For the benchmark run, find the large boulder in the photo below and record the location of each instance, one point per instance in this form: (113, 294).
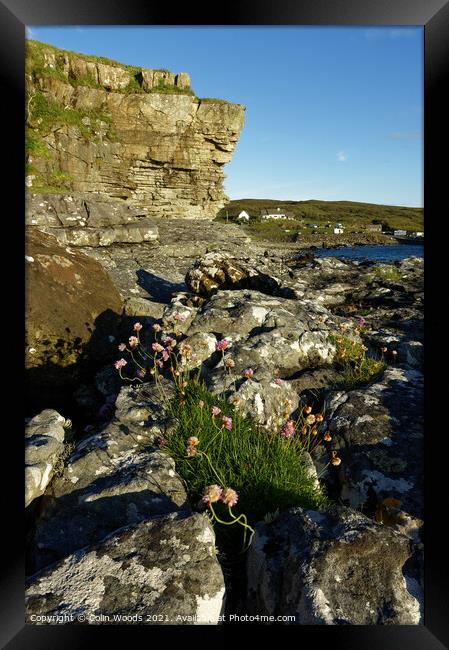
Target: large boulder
(334, 567)
(116, 476)
(222, 270)
(159, 572)
(268, 333)
(44, 447)
(378, 432)
(72, 309)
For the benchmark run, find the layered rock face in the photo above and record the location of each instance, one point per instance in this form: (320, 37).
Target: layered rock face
(126, 133)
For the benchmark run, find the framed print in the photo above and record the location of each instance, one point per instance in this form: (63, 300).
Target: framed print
(232, 414)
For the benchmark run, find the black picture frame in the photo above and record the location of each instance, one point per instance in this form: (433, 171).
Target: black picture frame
(433, 15)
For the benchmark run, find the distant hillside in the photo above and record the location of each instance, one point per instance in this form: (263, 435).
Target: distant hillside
(352, 215)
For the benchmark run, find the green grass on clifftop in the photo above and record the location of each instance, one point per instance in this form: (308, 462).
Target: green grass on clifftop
(36, 67)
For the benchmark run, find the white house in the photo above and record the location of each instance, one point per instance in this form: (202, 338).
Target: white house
(338, 229)
(277, 213)
(400, 233)
(244, 215)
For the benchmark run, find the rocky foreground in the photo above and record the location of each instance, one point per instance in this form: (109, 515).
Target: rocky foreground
(112, 535)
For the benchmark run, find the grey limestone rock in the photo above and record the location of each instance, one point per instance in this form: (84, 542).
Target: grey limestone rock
(115, 477)
(378, 432)
(333, 567)
(158, 572)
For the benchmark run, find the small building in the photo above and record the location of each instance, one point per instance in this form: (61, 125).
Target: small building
(276, 213)
(338, 231)
(244, 216)
(400, 233)
(417, 234)
(374, 227)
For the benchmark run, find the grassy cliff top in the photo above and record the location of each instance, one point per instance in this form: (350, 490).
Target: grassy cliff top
(36, 47)
(37, 67)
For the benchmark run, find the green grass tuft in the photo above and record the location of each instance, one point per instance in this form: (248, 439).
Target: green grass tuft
(390, 274)
(355, 367)
(268, 472)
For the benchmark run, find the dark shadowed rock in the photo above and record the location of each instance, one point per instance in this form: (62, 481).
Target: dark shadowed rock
(72, 309)
(164, 571)
(334, 567)
(66, 291)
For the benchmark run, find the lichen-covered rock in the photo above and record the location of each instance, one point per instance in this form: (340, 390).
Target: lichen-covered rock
(196, 350)
(115, 477)
(79, 220)
(159, 572)
(378, 432)
(334, 567)
(78, 210)
(265, 400)
(44, 446)
(272, 335)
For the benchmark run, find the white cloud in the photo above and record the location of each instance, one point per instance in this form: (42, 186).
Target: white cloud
(29, 32)
(342, 156)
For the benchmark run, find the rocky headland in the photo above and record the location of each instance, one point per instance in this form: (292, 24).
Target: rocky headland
(113, 533)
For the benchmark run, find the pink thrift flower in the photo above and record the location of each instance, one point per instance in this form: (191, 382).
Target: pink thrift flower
(278, 381)
(222, 345)
(122, 347)
(215, 411)
(229, 497)
(133, 341)
(193, 441)
(227, 422)
(212, 493)
(288, 430)
(165, 355)
(156, 327)
(160, 363)
(201, 403)
(120, 363)
(248, 373)
(137, 327)
(180, 318)
(157, 347)
(141, 373)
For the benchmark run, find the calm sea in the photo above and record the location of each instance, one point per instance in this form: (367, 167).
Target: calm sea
(390, 253)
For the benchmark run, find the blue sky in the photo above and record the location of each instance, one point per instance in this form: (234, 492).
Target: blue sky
(332, 113)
